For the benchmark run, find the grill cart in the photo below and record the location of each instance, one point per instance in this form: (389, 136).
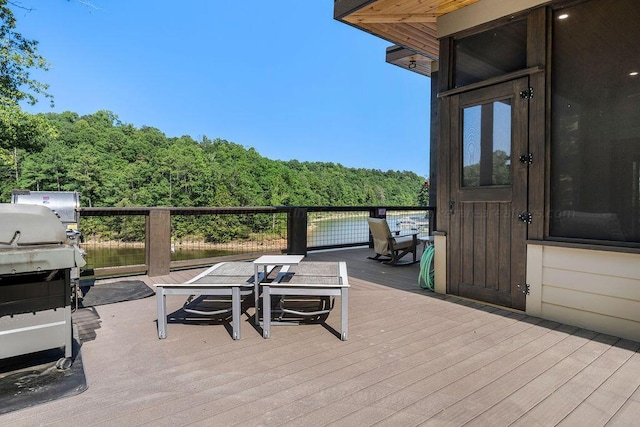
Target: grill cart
(36, 261)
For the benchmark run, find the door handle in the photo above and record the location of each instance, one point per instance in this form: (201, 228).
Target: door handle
(451, 206)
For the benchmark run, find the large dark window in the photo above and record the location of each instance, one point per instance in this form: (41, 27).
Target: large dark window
(595, 119)
(491, 53)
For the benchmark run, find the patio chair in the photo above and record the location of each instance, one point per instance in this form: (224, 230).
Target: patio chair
(226, 279)
(305, 291)
(391, 247)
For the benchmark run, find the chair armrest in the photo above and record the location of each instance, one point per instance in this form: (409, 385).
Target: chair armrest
(397, 234)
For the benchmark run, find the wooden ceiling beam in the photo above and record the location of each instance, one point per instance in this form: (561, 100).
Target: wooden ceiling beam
(391, 18)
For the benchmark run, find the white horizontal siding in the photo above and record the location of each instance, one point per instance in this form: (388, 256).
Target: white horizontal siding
(592, 289)
(592, 303)
(604, 324)
(616, 264)
(601, 284)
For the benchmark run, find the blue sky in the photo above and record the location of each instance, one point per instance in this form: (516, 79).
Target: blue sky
(283, 77)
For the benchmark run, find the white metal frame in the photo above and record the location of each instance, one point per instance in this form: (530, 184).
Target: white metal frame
(234, 289)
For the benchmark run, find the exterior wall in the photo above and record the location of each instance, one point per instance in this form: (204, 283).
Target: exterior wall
(592, 289)
(482, 12)
(440, 263)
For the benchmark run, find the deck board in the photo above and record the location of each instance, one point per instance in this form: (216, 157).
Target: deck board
(413, 357)
(608, 400)
(563, 400)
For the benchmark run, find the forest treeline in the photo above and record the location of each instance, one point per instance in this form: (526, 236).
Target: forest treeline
(111, 163)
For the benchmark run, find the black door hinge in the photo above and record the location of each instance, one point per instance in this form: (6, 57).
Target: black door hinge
(527, 93)
(527, 159)
(526, 217)
(524, 288)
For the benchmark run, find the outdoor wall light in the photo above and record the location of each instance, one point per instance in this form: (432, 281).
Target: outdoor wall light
(633, 73)
(563, 16)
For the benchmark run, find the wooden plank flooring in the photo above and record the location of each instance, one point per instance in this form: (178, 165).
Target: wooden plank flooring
(412, 358)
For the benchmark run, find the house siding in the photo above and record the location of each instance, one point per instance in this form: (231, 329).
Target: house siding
(440, 263)
(592, 289)
(482, 12)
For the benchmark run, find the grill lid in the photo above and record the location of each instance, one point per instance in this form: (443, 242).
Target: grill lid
(32, 238)
(26, 225)
(40, 258)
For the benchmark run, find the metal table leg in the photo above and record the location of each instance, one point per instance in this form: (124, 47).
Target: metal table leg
(162, 312)
(235, 309)
(266, 311)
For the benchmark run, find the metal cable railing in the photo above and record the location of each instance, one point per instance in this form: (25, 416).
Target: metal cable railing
(126, 240)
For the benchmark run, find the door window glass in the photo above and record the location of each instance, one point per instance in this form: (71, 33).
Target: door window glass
(486, 144)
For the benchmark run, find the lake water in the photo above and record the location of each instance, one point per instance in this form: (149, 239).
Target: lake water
(323, 232)
(113, 256)
(338, 231)
(356, 229)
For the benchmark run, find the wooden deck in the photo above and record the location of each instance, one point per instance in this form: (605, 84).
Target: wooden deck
(412, 358)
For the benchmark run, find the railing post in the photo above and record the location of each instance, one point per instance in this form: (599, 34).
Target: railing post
(433, 224)
(297, 231)
(158, 242)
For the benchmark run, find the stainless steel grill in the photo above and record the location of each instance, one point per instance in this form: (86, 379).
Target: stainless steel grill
(35, 281)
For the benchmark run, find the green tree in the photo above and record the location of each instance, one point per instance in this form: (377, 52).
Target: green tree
(18, 56)
(116, 164)
(423, 195)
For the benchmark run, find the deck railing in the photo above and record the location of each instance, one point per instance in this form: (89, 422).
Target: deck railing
(155, 240)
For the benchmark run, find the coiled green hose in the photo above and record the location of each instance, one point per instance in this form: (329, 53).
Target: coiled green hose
(426, 279)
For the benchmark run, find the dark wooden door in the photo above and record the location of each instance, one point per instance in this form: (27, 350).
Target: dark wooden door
(488, 193)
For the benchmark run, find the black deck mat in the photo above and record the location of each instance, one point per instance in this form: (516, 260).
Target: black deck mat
(109, 293)
(33, 379)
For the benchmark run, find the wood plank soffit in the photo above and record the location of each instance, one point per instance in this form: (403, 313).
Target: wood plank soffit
(375, 18)
(411, 23)
(409, 60)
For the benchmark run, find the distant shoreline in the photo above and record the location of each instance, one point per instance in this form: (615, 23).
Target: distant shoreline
(274, 243)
